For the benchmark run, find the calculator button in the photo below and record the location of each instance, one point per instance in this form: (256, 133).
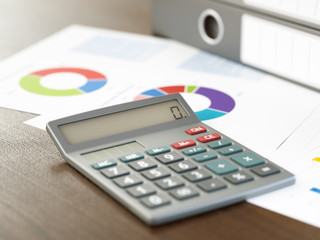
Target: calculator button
(104, 164)
(230, 150)
(247, 159)
(183, 166)
(196, 130)
(113, 172)
(158, 150)
(212, 185)
(205, 157)
(128, 181)
(219, 144)
(197, 175)
(184, 144)
(154, 201)
(184, 193)
(194, 150)
(156, 173)
(169, 157)
(221, 166)
(265, 170)
(141, 190)
(209, 137)
(131, 157)
(169, 183)
(143, 164)
(238, 177)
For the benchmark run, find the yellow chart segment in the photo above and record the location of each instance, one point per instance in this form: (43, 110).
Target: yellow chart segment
(316, 159)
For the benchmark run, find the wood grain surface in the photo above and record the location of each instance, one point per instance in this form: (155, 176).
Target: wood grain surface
(42, 197)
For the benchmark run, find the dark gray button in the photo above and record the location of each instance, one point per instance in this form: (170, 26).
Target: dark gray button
(128, 181)
(184, 193)
(169, 157)
(141, 190)
(142, 164)
(183, 166)
(197, 175)
(154, 201)
(169, 183)
(238, 177)
(211, 185)
(265, 170)
(113, 172)
(156, 173)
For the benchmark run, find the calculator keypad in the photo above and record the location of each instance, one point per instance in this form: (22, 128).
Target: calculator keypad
(192, 167)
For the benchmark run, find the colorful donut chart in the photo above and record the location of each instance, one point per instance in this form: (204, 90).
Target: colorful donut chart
(32, 84)
(221, 103)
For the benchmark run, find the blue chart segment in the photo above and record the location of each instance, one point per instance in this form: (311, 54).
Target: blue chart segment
(315, 190)
(92, 85)
(221, 103)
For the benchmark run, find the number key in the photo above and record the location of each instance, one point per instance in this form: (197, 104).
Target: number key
(113, 172)
(169, 183)
(169, 157)
(141, 190)
(142, 164)
(156, 173)
(183, 166)
(154, 201)
(196, 175)
(184, 193)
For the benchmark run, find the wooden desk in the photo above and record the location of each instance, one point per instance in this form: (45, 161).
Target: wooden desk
(44, 198)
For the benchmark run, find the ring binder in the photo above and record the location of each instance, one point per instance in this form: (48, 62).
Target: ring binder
(285, 43)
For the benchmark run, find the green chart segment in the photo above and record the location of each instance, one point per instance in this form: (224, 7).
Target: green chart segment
(94, 81)
(220, 102)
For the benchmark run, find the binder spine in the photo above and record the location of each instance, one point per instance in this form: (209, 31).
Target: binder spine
(280, 47)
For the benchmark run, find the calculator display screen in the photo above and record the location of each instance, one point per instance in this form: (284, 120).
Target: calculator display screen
(124, 121)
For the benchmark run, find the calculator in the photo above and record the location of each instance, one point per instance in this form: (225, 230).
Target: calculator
(160, 161)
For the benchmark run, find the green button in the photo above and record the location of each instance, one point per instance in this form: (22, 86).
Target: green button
(219, 143)
(104, 164)
(194, 150)
(221, 166)
(247, 159)
(131, 157)
(230, 150)
(158, 150)
(205, 157)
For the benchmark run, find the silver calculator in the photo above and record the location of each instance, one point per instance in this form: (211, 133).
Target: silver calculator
(160, 161)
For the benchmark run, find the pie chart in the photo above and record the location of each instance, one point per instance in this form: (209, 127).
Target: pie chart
(93, 81)
(220, 102)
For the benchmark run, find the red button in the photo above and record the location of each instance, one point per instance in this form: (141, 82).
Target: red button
(184, 144)
(196, 130)
(209, 137)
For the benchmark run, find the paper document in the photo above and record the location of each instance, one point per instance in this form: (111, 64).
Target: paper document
(82, 68)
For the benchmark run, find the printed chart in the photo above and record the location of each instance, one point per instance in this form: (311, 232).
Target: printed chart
(220, 102)
(93, 81)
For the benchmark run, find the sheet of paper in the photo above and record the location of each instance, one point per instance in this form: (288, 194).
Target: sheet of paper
(83, 68)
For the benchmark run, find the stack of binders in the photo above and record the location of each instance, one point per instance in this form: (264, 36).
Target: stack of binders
(278, 36)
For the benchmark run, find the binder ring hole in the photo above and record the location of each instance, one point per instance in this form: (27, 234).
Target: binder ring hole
(210, 27)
